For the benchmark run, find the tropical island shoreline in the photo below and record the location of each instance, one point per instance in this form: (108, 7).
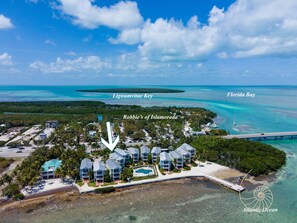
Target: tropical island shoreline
(211, 149)
(132, 90)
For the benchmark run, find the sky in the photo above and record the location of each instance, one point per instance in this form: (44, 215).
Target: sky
(148, 42)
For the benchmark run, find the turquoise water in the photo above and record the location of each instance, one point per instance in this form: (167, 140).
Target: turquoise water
(144, 171)
(272, 109)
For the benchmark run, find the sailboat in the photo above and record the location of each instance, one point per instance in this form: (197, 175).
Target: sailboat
(276, 119)
(234, 121)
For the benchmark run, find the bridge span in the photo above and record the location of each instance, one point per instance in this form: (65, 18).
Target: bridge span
(265, 136)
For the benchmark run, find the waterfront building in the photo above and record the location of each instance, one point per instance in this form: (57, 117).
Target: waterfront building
(118, 158)
(114, 168)
(188, 148)
(165, 161)
(124, 154)
(85, 169)
(177, 159)
(49, 167)
(156, 153)
(52, 124)
(134, 154)
(99, 171)
(144, 152)
(185, 154)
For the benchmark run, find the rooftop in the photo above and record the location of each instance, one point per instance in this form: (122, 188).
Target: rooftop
(132, 150)
(144, 149)
(121, 152)
(175, 155)
(165, 157)
(187, 147)
(51, 164)
(156, 150)
(98, 165)
(112, 164)
(115, 156)
(86, 164)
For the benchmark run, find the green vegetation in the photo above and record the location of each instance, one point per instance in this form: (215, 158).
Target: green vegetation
(4, 163)
(104, 190)
(28, 172)
(218, 132)
(92, 184)
(32, 113)
(162, 171)
(144, 177)
(176, 170)
(187, 168)
(79, 183)
(109, 183)
(133, 90)
(11, 190)
(242, 155)
(107, 177)
(127, 174)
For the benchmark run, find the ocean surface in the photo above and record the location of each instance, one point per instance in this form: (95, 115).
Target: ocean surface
(272, 109)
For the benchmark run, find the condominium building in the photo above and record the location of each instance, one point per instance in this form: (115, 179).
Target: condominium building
(144, 152)
(99, 171)
(124, 154)
(49, 167)
(117, 157)
(155, 153)
(134, 154)
(165, 161)
(114, 168)
(177, 159)
(85, 169)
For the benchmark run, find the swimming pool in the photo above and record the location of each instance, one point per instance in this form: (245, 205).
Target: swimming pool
(143, 171)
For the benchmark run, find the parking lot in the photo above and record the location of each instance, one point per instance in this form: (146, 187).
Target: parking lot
(8, 152)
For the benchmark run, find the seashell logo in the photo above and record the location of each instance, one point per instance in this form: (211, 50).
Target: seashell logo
(258, 200)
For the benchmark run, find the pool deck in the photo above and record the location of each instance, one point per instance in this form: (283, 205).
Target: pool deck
(200, 171)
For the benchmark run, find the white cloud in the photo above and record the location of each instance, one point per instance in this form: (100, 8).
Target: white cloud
(5, 59)
(50, 42)
(128, 36)
(70, 53)
(122, 15)
(91, 63)
(88, 38)
(32, 1)
(247, 28)
(5, 23)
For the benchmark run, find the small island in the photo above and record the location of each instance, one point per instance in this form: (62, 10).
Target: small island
(132, 90)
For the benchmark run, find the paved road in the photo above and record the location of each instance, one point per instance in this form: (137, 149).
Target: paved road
(7, 152)
(261, 135)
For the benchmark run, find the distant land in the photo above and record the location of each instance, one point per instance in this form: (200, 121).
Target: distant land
(133, 90)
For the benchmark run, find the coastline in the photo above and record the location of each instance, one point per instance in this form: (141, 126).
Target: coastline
(70, 194)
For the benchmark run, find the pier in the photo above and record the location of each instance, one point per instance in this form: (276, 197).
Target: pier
(265, 136)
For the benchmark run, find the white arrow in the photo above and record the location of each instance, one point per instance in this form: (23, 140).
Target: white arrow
(110, 145)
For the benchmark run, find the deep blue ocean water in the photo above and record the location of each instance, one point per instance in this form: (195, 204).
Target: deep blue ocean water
(274, 108)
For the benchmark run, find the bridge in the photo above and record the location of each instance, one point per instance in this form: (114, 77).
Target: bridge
(265, 136)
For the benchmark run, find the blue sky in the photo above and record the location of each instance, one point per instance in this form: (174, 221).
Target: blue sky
(75, 42)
